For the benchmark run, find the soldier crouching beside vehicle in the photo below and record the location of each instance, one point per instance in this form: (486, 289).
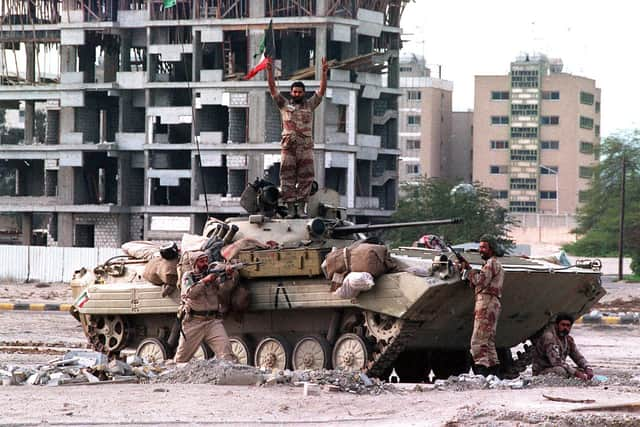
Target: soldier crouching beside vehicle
(201, 310)
(552, 348)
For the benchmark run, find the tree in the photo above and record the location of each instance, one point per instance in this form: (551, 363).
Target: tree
(435, 198)
(598, 217)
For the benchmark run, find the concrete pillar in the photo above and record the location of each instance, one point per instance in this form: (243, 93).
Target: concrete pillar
(321, 7)
(124, 177)
(196, 57)
(29, 107)
(68, 58)
(125, 51)
(29, 121)
(27, 228)
(256, 10)
(319, 113)
(102, 134)
(87, 60)
(110, 65)
(66, 185)
(65, 230)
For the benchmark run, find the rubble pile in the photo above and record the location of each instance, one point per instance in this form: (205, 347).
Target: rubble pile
(79, 367)
(476, 382)
(221, 372)
(213, 371)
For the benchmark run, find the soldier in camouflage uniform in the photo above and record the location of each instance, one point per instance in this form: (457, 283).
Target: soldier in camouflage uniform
(296, 163)
(552, 348)
(487, 285)
(201, 311)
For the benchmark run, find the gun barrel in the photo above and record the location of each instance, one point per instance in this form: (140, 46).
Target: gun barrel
(348, 229)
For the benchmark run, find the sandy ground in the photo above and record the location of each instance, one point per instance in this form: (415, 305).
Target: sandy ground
(613, 350)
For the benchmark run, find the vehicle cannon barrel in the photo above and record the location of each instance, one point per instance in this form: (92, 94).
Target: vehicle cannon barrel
(360, 228)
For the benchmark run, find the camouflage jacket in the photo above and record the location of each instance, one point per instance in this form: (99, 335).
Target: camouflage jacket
(197, 295)
(297, 119)
(551, 350)
(489, 279)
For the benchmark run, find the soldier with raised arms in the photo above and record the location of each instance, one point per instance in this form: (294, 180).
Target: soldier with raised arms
(296, 163)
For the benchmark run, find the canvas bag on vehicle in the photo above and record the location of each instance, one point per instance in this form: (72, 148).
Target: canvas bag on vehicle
(359, 257)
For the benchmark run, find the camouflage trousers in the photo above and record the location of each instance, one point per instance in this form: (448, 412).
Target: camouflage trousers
(296, 168)
(197, 330)
(483, 339)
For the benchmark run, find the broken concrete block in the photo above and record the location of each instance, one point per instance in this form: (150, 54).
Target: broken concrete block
(311, 389)
(90, 377)
(118, 367)
(133, 360)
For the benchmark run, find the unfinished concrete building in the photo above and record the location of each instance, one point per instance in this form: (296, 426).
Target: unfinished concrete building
(150, 126)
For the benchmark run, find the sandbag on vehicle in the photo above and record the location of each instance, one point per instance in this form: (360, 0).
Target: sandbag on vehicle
(359, 257)
(160, 271)
(353, 284)
(141, 249)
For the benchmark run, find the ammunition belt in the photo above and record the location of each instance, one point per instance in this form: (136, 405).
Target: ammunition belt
(207, 314)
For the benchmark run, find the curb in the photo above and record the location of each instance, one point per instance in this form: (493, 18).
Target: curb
(605, 319)
(20, 306)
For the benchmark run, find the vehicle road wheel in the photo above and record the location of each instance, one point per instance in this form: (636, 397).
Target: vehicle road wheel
(152, 350)
(273, 353)
(312, 352)
(241, 350)
(350, 353)
(203, 352)
(109, 333)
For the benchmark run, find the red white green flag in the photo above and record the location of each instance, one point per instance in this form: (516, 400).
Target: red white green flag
(266, 49)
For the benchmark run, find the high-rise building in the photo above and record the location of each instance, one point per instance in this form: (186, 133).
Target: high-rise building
(425, 121)
(150, 126)
(536, 133)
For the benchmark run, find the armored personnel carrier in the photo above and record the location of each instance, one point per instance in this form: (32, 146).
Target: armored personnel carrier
(417, 319)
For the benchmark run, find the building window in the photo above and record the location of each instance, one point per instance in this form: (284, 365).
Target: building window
(597, 130)
(549, 145)
(518, 206)
(524, 109)
(499, 120)
(551, 94)
(548, 195)
(523, 184)
(586, 147)
(413, 144)
(582, 196)
(524, 78)
(498, 170)
(586, 172)
(413, 169)
(342, 118)
(548, 170)
(405, 69)
(586, 122)
(550, 120)
(598, 107)
(586, 98)
(414, 95)
(524, 155)
(413, 120)
(500, 194)
(499, 95)
(499, 145)
(524, 132)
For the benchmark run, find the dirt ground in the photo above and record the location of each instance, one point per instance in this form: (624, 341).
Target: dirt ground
(614, 351)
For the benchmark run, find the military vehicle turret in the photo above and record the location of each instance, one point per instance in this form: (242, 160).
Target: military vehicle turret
(417, 319)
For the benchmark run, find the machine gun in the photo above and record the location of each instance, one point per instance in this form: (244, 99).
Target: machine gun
(341, 230)
(221, 272)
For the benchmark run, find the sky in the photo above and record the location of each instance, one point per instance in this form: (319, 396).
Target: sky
(595, 39)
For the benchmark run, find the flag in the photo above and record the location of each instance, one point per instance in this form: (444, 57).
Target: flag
(267, 49)
(166, 4)
(81, 300)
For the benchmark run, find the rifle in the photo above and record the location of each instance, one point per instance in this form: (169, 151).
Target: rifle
(462, 260)
(221, 272)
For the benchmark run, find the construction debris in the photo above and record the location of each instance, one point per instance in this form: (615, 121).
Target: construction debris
(566, 400)
(78, 367)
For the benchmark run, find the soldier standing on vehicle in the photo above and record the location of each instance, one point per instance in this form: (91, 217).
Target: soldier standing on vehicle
(552, 348)
(201, 311)
(487, 285)
(296, 162)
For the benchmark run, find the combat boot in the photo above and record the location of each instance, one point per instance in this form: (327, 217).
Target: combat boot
(481, 370)
(291, 210)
